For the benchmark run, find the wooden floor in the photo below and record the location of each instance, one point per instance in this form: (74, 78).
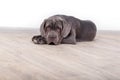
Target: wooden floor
(20, 59)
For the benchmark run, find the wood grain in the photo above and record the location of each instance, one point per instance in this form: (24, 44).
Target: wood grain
(20, 59)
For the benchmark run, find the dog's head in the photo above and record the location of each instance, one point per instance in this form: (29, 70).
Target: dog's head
(54, 29)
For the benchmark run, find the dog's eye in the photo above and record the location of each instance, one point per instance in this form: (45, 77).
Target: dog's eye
(58, 29)
(48, 29)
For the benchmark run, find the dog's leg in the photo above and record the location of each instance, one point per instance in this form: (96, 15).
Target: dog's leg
(38, 39)
(68, 41)
(71, 39)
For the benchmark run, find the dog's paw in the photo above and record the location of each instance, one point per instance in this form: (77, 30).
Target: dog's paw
(38, 40)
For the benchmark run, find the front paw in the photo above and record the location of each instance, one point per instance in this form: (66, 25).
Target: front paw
(38, 40)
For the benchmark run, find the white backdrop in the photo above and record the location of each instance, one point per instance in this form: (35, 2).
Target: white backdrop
(30, 13)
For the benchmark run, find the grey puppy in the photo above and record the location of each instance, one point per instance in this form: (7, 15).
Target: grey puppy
(59, 29)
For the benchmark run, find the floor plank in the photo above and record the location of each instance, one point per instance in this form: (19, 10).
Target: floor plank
(20, 59)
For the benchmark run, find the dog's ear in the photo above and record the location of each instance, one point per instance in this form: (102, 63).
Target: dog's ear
(42, 28)
(66, 28)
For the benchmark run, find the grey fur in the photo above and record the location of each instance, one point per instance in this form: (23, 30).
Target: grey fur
(72, 30)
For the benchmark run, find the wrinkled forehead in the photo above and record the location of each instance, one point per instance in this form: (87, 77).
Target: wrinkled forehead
(53, 23)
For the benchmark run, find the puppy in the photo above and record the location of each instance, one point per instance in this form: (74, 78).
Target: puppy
(64, 29)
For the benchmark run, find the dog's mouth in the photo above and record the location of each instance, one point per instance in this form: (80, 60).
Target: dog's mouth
(51, 43)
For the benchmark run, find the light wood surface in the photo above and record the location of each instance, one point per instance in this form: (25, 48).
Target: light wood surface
(20, 59)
